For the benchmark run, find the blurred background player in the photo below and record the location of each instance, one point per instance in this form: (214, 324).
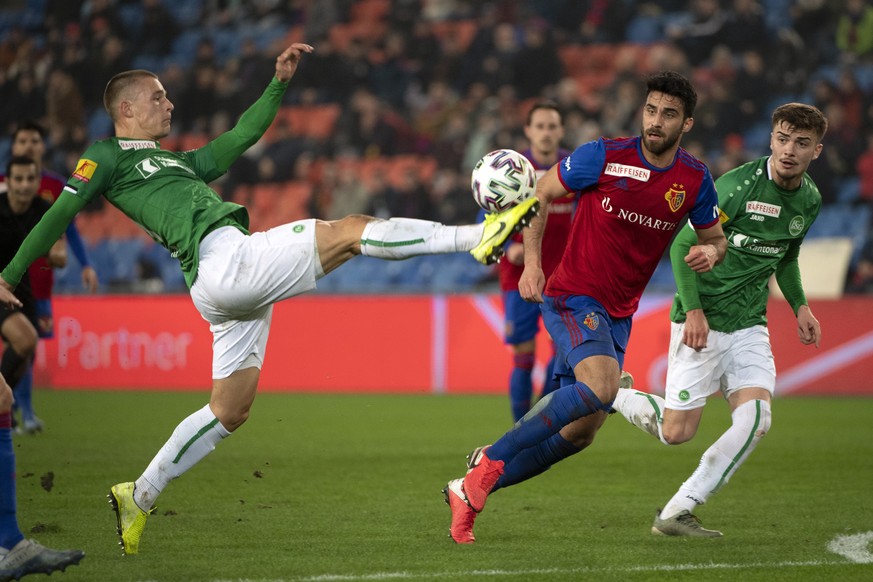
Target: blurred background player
(28, 140)
(544, 129)
(21, 208)
(719, 339)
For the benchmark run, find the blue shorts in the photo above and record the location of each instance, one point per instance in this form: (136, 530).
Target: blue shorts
(45, 323)
(580, 328)
(521, 319)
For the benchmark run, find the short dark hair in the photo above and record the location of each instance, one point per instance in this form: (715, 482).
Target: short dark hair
(548, 105)
(801, 116)
(29, 125)
(19, 161)
(675, 85)
(119, 84)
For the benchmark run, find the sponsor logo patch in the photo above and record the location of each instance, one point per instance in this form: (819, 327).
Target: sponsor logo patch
(137, 144)
(85, 170)
(625, 171)
(147, 167)
(763, 208)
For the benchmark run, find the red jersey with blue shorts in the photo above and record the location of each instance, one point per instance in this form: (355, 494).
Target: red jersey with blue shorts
(627, 214)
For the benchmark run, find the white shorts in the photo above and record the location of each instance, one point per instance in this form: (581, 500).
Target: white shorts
(730, 362)
(239, 279)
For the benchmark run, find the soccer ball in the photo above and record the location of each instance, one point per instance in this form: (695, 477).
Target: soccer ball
(502, 179)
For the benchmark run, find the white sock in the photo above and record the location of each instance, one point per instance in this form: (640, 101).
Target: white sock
(401, 238)
(751, 421)
(193, 439)
(645, 411)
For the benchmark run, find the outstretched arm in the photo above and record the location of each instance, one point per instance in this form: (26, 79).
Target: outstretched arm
(254, 122)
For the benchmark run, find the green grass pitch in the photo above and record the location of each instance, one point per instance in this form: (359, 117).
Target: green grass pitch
(347, 488)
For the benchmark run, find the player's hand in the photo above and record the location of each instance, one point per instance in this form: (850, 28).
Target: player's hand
(701, 258)
(808, 327)
(286, 63)
(7, 298)
(514, 253)
(696, 330)
(89, 279)
(531, 285)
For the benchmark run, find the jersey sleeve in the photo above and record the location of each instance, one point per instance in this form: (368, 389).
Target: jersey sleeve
(686, 278)
(705, 213)
(213, 160)
(582, 168)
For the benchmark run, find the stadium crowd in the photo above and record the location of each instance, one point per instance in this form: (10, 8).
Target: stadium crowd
(402, 97)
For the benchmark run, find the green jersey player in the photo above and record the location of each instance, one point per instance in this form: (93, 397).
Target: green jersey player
(719, 337)
(234, 276)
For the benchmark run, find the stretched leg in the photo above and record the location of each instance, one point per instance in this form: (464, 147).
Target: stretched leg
(393, 239)
(401, 238)
(750, 422)
(193, 439)
(571, 439)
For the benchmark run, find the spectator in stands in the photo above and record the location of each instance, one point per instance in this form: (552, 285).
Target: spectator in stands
(537, 66)
(700, 31)
(854, 36)
(864, 169)
(158, 29)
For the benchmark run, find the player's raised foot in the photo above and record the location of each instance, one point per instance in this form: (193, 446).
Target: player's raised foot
(480, 479)
(502, 225)
(463, 516)
(31, 557)
(683, 523)
(130, 518)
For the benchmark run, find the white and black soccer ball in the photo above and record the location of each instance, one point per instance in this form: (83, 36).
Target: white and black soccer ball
(502, 179)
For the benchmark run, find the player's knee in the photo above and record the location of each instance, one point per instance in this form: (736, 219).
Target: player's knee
(231, 419)
(755, 415)
(676, 435)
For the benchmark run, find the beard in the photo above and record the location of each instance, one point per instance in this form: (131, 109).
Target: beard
(667, 142)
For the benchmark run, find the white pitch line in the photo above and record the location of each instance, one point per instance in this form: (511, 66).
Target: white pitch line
(560, 571)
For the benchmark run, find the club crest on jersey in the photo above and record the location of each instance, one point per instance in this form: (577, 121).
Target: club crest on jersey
(675, 197)
(591, 321)
(85, 170)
